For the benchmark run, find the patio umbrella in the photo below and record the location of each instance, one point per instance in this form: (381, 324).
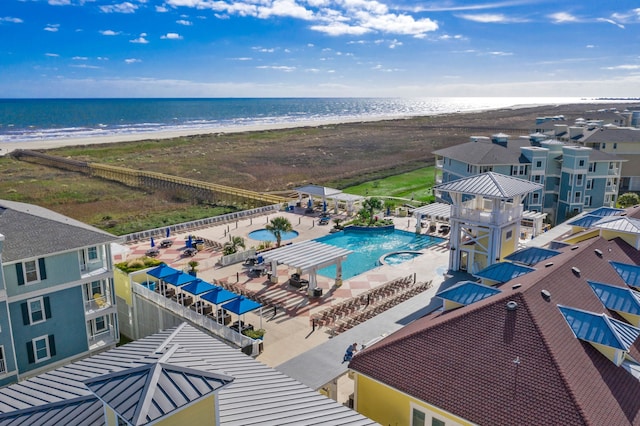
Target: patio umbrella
(168, 233)
(162, 271)
(153, 243)
(309, 203)
(189, 243)
(217, 296)
(324, 205)
(179, 279)
(241, 306)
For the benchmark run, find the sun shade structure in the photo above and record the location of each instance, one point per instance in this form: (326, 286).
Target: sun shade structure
(179, 279)
(325, 193)
(197, 287)
(241, 305)
(490, 184)
(162, 271)
(465, 293)
(218, 295)
(432, 212)
(531, 255)
(308, 257)
(503, 272)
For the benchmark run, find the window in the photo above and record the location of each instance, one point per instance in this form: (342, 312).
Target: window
(121, 421)
(589, 183)
(538, 164)
(3, 365)
(535, 198)
(92, 254)
(612, 166)
(615, 146)
(508, 235)
(587, 200)
(576, 197)
(472, 169)
(418, 418)
(603, 145)
(484, 169)
(98, 325)
(36, 310)
(537, 178)
(518, 170)
(31, 271)
(437, 422)
(41, 349)
(579, 179)
(592, 167)
(581, 163)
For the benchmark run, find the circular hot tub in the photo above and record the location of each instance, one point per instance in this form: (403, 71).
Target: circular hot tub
(265, 235)
(398, 257)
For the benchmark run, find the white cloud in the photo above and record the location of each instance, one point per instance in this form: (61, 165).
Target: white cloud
(498, 53)
(277, 68)
(86, 66)
(184, 22)
(132, 61)
(339, 28)
(394, 43)
(80, 58)
(284, 8)
(109, 32)
(52, 55)
(59, 2)
(140, 40)
(562, 17)
(610, 21)
(242, 59)
(12, 20)
(623, 67)
(491, 18)
(52, 28)
(125, 7)
(264, 49)
(171, 36)
(590, 46)
(161, 9)
(632, 16)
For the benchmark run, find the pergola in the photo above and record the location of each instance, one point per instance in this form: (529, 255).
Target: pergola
(325, 193)
(307, 257)
(534, 220)
(433, 212)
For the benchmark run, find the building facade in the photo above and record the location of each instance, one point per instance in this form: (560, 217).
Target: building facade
(574, 178)
(57, 299)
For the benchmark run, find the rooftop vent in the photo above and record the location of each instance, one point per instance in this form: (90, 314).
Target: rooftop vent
(575, 247)
(575, 271)
(515, 286)
(511, 305)
(545, 294)
(548, 264)
(598, 252)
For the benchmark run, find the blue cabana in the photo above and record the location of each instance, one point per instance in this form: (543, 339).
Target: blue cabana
(197, 287)
(179, 279)
(162, 271)
(218, 295)
(241, 306)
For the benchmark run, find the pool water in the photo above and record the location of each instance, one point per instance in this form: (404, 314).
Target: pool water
(369, 245)
(400, 257)
(265, 235)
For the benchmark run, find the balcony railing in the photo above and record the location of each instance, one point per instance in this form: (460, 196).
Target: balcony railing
(204, 321)
(439, 164)
(99, 301)
(103, 338)
(614, 171)
(487, 216)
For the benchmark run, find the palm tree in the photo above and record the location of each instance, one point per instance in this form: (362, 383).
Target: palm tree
(372, 204)
(277, 226)
(231, 246)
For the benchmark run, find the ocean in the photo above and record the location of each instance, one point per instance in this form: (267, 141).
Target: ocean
(24, 120)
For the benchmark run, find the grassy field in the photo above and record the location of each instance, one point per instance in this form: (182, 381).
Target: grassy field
(415, 185)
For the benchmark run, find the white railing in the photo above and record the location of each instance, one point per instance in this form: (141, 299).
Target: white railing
(484, 216)
(96, 304)
(237, 257)
(102, 338)
(204, 321)
(439, 163)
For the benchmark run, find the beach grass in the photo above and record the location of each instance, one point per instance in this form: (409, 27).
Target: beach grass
(414, 185)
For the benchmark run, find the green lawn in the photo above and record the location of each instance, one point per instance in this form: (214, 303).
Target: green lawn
(416, 184)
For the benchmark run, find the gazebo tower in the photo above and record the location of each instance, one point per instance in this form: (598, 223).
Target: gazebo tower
(485, 218)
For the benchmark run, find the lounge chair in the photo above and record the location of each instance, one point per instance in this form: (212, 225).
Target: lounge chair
(297, 282)
(323, 220)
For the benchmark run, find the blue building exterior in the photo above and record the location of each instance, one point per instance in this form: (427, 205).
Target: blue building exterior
(57, 300)
(574, 178)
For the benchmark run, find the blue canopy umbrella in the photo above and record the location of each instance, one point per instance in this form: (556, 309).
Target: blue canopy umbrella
(218, 296)
(153, 243)
(179, 279)
(168, 233)
(189, 243)
(309, 203)
(162, 271)
(241, 306)
(324, 205)
(197, 288)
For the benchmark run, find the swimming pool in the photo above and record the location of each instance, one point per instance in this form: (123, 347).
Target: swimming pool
(369, 245)
(265, 235)
(398, 257)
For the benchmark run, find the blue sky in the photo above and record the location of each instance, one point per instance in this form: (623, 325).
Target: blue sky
(292, 48)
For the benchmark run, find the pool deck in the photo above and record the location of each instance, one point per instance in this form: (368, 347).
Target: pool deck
(289, 332)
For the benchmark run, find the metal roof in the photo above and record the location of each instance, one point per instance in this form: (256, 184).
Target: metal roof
(630, 274)
(82, 411)
(606, 211)
(318, 191)
(32, 231)
(531, 255)
(503, 271)
(585, 221)
(491, 185)
(259, 395)
(468, 292)
(600, 328)
(621, 224)
(306, 255)
(616, 298)
(145, 394)
(439, 211)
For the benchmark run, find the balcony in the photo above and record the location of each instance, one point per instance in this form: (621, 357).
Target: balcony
(487, 216)
(98, 303)
(438, 179)
(439, 164)
(614, 171)
(103, 339)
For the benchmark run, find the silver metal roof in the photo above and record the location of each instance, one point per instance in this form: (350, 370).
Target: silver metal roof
(259, 395)
(617, 223)
(318, 191)
(306, 255)
(491, 185)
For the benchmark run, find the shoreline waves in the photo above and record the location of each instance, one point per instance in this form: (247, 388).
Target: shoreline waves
(338, 111)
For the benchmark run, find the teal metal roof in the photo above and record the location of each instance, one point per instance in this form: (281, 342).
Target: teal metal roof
(616, 298)
(629, 273)
(599, 328)
(531, 255)
(606, 211)
(585, 221)
(503, 271)
(467, 292)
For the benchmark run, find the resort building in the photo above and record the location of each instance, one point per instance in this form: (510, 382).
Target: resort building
(573, 177)
(550, 336)
(181, 376)
(485, 218)
(56, 291)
